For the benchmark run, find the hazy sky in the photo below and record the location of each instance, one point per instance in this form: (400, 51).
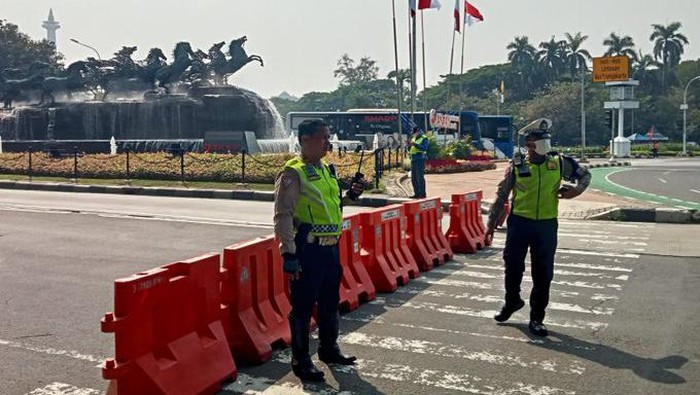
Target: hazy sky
(301, 41)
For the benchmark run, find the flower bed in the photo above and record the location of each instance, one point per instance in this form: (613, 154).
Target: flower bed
(442, 166)
(262, 168)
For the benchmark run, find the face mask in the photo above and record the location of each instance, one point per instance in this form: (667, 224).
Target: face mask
(542, 147)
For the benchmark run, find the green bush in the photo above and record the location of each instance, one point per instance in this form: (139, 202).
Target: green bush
(459, 149)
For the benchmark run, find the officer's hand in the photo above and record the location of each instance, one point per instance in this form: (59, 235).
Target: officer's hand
(357, 188)
(568, 192)
(488, 236)
(291, 266)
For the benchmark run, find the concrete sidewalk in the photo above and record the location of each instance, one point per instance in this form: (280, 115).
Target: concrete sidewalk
(588, 205)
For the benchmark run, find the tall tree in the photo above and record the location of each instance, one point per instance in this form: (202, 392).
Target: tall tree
(351, 73)
(576, 57)
(523, 57)
(19, 51)
(551, 55)
(668, 46)
(620, 46)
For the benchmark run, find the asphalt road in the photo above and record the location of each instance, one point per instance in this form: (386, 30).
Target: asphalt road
(623, 314)
(676, 179)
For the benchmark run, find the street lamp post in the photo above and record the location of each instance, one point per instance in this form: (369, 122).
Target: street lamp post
(684, 107)
(87, 46)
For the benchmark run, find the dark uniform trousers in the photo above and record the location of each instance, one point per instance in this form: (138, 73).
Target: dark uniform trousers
(540, 236)
(319, 282)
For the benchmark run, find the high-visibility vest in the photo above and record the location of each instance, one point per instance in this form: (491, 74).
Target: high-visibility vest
(537, 196)
(417, 140)
(319, 198)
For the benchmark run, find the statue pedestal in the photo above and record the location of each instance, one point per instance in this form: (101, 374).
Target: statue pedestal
(623, 147)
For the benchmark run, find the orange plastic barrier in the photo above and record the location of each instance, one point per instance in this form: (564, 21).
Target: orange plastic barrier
(256, 291)
(384, 250)
(466, 232)
(168, 334)
(356, 286)
(424, 233)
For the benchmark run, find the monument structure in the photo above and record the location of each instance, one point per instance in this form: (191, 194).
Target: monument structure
(51, 25)
(182, 96)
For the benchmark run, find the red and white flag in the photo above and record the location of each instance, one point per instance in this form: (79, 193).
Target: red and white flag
(471, 14)
(457, 14)
(423, 4)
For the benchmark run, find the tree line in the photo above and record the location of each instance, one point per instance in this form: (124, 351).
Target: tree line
(540, 80)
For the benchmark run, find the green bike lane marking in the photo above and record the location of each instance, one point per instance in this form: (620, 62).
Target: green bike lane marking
(601, 181)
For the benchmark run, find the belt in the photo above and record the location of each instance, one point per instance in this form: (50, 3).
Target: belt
(323, 240)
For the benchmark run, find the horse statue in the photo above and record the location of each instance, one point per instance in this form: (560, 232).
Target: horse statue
(199, 72)
(238, 57)
(217, 62)
(127, 73)
(155, 60)
(182, 59)
(73, 79)
(11, 88)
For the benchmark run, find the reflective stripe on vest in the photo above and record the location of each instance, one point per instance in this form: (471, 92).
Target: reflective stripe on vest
(319, 198)
(417, 140)
(536, 196)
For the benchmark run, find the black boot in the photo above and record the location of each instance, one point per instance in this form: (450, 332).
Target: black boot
(508, 310)
(332, 355)
(307, 371)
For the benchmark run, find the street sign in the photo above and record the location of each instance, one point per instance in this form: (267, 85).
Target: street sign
(611, 68)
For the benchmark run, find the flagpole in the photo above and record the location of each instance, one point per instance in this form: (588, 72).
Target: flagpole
(399, 96)
(461, 70)
(422, 32)
(413, 49)
(447, 80)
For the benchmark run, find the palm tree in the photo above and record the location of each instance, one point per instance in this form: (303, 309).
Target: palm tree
(522, 53)
(668, 45)
(551, 55)
(620, 46)
(522, 56)
(575, 57)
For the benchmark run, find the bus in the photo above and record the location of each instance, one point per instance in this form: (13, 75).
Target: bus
(497, 134)
(363, 124)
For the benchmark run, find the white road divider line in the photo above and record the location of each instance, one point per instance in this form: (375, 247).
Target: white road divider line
(662, 180)
(64, 389)
(694, 190)
(52, 351)
(556, 264)
(557, 272)
(564, 251)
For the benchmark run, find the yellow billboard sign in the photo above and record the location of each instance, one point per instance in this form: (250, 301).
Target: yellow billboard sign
(611, 68)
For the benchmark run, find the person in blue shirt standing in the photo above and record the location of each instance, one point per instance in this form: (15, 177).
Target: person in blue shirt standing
(418, 150)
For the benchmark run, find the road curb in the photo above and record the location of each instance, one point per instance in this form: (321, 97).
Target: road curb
(664, 215)
(606, 164)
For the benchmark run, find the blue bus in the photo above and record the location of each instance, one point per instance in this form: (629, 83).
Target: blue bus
(363, 124)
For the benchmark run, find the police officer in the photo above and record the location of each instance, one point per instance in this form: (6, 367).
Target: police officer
(418, 150)
(535, 181)
(308, 219)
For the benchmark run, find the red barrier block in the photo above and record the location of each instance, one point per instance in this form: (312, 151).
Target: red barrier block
(356, 286)
(384, 250)
(424, 235)
(466, 231)
(255, 289)
(168, 334)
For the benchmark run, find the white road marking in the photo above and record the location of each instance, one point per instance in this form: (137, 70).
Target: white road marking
(563, 251)
(488, 314)
(64, 389)
(52, 351)
(418, 346)
(694, 190)
(605, 235)
(662, 180)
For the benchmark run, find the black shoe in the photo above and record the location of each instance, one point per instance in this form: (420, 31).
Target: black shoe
(537, 328)
(414, 197)
(336, 358)
(508, 310)
(307, 372)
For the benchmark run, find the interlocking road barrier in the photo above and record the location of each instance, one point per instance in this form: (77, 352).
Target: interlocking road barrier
(256, 292)
(466, 231)
(168, 334)
(384, 250)
(424, 233)
(356, 286)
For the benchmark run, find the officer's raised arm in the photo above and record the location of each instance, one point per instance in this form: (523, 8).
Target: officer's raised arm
(571, 171)
(502, 194)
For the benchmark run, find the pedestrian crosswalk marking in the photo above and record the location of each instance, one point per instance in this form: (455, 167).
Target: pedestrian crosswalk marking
(64, 389)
